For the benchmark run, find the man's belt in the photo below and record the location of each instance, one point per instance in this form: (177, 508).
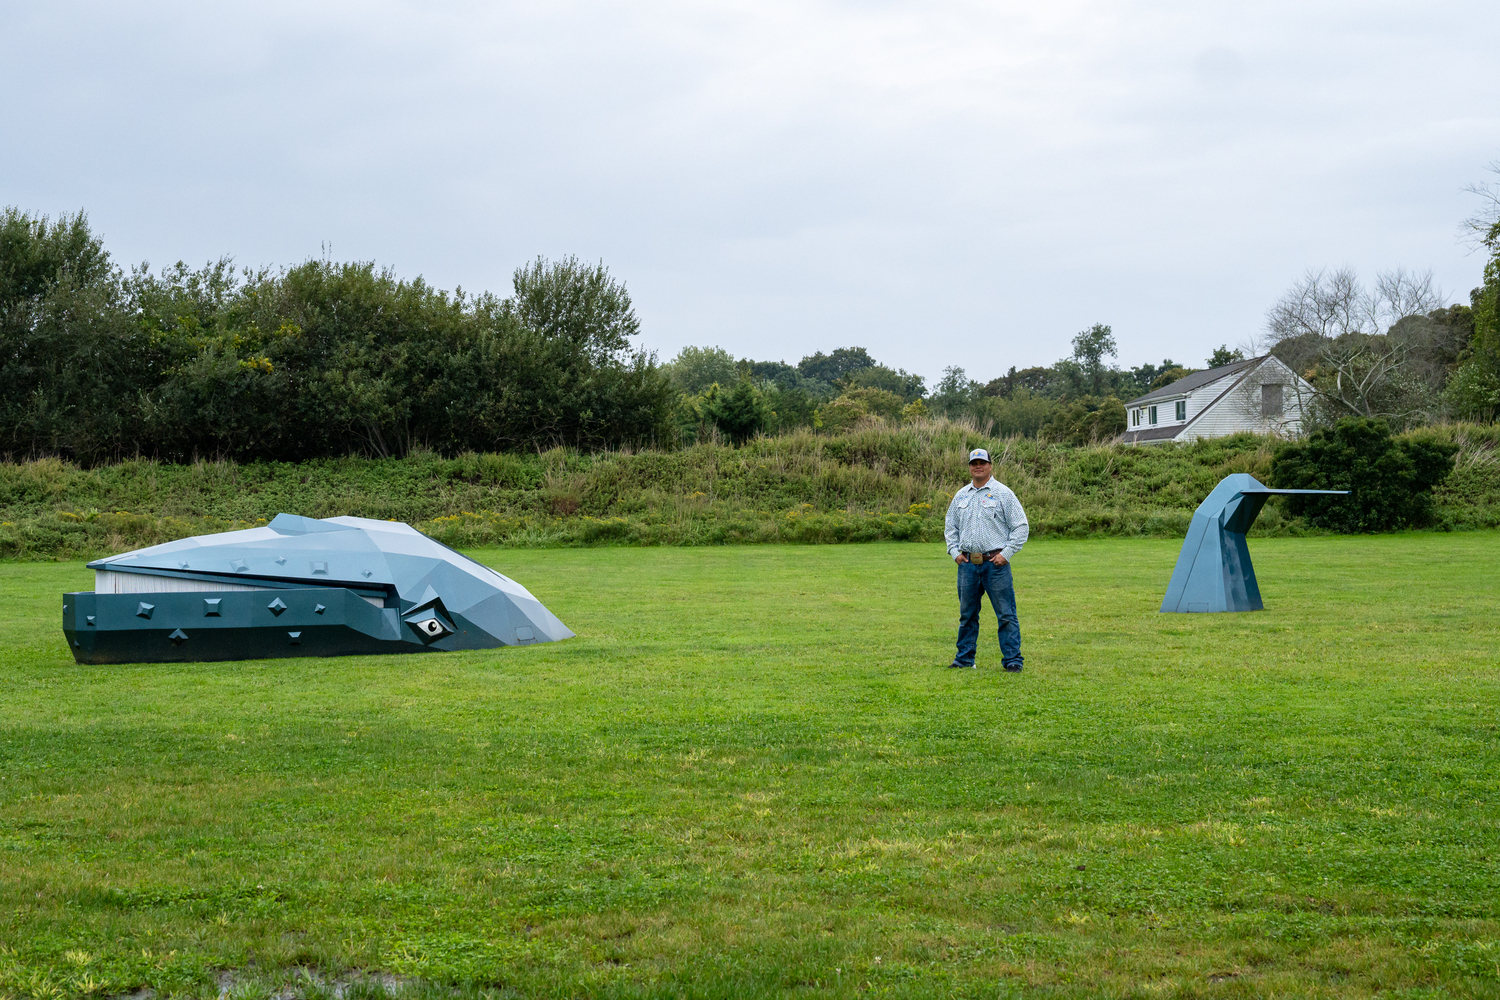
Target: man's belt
(979, 557)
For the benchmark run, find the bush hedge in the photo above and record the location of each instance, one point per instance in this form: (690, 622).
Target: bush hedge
(877, 482)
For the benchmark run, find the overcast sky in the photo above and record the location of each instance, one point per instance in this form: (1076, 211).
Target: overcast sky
(940, 182)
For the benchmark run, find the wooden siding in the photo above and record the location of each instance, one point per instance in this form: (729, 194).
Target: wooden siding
(1239, 409)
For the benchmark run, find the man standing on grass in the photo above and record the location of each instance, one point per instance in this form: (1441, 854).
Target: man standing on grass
(986, 527)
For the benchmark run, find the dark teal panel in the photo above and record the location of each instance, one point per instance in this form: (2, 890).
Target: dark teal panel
(244, 625)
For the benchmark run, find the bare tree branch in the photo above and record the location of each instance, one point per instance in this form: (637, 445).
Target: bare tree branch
(1482, 229)
(1328, 306)
(1367, 377)
(1399, 294)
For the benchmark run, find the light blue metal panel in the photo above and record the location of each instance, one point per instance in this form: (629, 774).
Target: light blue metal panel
(1213, 571)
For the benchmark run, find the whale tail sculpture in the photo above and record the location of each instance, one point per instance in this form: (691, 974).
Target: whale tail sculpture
(1213, 570)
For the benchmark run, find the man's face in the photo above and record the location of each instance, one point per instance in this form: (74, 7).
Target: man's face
(980, 471)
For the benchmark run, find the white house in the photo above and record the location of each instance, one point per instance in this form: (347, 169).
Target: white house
(1261, 395)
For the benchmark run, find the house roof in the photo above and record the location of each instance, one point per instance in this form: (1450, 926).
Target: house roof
(1158, 433)
(1197, 380)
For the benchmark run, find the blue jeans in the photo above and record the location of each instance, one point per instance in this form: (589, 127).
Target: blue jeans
(973, 583)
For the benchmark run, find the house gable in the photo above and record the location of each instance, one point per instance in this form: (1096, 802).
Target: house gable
(1234, 399)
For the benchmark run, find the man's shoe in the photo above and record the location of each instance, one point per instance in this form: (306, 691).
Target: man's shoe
(1014, 669)
(962, 666)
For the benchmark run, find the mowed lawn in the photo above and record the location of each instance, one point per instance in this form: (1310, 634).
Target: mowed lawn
(751, 775)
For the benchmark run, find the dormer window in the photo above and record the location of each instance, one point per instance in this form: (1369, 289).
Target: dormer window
(1182, 409)
(1271, 400)
(1152, 415)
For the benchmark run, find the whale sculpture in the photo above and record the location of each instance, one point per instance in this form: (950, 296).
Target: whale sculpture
(1213, 571)
(299, 586)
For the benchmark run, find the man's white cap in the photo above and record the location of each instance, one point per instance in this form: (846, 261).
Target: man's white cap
(979, 455)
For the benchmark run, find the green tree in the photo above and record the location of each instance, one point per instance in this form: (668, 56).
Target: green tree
(37, 253)
(1433, 346)
(1389, 482)
(329, 359)
(1484, 227)
(739, 412)
(70, 354)
(789, 408)
(1090, 349)
(955, 394)
(316, 360)
(1167, 377)
(576, 303)
(1143, 378)
(1482, 357)
(1022, 413)
(1224, 356)
(574, 377)
(853, 404)
(694, 369)
(909, 387)
(835, 367)
(1473, 393)
(1039, 381)
(1086, 420)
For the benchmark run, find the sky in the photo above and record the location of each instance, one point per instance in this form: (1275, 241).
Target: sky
(942, 183)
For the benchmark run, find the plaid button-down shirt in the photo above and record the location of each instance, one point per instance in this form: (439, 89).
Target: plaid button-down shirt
(986, 519)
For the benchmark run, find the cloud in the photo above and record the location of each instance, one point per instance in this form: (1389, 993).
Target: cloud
(944, 182)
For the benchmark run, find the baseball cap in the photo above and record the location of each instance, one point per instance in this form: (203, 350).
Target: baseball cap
(979, 455)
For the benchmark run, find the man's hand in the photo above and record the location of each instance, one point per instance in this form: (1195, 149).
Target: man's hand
(999, 559)
(961, 558)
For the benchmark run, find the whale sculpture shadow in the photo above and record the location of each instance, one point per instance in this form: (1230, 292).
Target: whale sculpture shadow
(1213, 570)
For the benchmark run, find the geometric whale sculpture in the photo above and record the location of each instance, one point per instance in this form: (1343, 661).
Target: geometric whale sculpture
(299, 586)
(1213, 571)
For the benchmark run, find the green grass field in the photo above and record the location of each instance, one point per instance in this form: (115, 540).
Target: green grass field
(751, 776)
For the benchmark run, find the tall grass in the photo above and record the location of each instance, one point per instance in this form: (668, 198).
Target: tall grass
(878, 481)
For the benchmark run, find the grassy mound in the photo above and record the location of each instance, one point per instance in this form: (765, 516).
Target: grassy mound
(875, 482)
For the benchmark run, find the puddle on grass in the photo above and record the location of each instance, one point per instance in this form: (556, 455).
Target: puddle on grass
(303, 984)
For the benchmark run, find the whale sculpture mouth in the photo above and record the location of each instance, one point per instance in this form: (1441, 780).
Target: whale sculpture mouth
(299, 587)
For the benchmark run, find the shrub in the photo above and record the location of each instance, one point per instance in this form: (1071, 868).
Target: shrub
(739, 412)
(1474, 390)
(1088, 420)
(1389, 482)
(846, 411)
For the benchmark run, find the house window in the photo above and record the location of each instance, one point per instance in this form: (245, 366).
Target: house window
(1182, 409)
(1270, 400)
(1152, 415)
(1135, 418)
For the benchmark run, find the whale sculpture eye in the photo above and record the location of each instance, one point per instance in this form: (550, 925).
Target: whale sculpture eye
(429, 626)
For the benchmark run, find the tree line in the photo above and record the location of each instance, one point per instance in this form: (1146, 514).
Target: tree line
(1077, 399)
(316, 360)
(327, 359)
